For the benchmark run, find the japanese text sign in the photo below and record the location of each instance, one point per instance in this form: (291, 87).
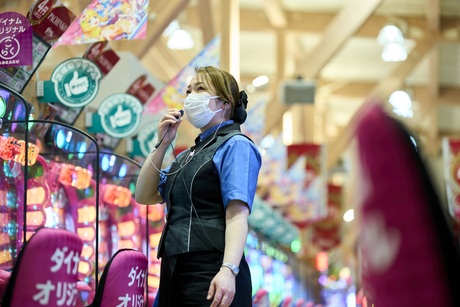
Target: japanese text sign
(15, 40)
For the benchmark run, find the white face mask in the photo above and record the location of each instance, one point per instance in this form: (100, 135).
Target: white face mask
(196, 107)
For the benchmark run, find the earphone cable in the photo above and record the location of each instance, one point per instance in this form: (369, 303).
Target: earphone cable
(190, 155)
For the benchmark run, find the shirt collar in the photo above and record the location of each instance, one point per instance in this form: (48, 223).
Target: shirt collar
(214, 128)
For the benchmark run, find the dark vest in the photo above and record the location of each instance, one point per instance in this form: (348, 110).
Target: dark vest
(199, 226)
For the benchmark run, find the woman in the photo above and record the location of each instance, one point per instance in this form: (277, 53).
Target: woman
(208, 190)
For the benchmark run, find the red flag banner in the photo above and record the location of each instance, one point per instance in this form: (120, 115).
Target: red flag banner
(50, 19)
(104, 57)
(141, 89)
(326, 233)
(311, 151)
(309, 205)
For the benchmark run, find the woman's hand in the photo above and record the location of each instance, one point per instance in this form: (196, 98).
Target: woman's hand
(222, 288)
(168, 125)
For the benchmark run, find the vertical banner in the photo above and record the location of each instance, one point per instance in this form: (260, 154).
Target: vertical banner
(15, 40)
(311, 203)
(326, 233)
(173, 93)
(451, 157)
(108, 20)
(20, 51)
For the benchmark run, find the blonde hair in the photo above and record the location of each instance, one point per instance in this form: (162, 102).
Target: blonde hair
(222, 83)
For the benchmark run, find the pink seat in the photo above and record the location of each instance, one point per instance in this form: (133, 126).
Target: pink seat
(123, 280)
(46, 271)
(260, 299)
(408, 252)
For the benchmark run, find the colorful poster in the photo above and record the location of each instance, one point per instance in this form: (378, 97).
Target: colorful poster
(299, 189)
(172, 94)
(105, 20)
(15, 40)
(326, 233)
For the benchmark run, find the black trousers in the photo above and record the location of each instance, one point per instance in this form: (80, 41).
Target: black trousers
(185, 280)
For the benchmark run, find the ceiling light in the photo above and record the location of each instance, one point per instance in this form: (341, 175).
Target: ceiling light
(402, 103)
(171, 28)
(349, 215)
(392, 40)
(268, 141)
(250, 88)
(180, 40)
(260, 81)
(390, 34)
(394, 52)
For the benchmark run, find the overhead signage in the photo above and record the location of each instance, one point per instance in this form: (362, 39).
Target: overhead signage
(119, 116)
(74, 83)
(2, 107)
(50, 19)
(15, 40)
(104, 57)
(141, 88)
(108, 20)
(17, 77)
(144, 142)
(147, 138)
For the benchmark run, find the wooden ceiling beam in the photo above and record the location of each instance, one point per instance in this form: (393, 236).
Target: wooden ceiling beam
(448, 95)
(207, 20)
(316, 22)
(275, 14)
(396, 79)
(163, 71)
(433, 12)
(161, 21)
(171, 59)
(337, 32)
(378, 95)
(281, 43)
(230, 37)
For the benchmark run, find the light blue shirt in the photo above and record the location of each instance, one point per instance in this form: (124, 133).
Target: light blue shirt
(237, 162)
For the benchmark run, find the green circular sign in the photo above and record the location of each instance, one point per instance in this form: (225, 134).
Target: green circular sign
(120, 115)
(76, 82)
(2, 106)
(148, 137)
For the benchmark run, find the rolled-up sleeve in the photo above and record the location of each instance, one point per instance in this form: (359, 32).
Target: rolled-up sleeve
(238, 162)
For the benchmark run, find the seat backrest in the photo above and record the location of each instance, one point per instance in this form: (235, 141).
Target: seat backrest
(408, 252)
(123, 280)
(260, 299)
(45, 273)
